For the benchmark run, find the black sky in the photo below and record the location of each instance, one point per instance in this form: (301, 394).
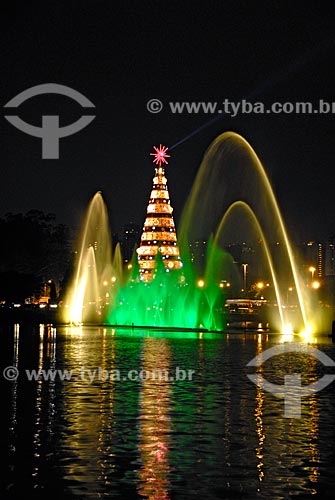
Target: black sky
(120, 54)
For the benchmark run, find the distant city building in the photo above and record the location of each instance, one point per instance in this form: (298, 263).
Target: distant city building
(320, 260)
(329, 259)
(311, 255)
(250, 254)
(198, 252)
(130, 240)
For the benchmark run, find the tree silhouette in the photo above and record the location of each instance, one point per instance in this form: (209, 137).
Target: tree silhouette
(33, 249)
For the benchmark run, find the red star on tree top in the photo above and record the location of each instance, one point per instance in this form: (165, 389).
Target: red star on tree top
(160, 155)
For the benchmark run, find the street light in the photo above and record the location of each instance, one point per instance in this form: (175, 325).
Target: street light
(224, 284)
(200, 283)
(245, 277)
(312, 271)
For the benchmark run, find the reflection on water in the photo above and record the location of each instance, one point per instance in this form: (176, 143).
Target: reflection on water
(155, 422)
(94, 432)
(295, 441)
(259, 417)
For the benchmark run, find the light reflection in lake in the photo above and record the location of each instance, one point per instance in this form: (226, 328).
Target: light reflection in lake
(101, 434)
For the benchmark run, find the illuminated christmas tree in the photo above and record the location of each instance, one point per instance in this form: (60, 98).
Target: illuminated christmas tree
(159, 233)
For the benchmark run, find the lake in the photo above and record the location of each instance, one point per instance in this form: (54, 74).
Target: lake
(98, 412)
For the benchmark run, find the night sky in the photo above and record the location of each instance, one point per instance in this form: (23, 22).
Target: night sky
(120, 54)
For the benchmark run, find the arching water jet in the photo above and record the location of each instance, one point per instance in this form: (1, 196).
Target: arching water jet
(231, 171)
(93, 270)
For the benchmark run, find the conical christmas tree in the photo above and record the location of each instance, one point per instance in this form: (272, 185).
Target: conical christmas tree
(159, 232)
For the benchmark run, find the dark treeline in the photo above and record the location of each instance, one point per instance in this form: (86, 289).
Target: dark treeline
(33, 249)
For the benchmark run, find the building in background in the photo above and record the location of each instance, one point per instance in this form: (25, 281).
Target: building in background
(130, 240)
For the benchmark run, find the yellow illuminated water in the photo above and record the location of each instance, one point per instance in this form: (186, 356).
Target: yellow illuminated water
(232, 176)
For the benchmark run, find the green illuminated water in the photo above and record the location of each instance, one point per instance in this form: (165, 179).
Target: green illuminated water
(171, 299)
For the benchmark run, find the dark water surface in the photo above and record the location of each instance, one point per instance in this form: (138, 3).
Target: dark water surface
(106, 434)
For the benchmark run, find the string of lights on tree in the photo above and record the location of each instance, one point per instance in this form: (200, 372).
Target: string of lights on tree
(159, 233)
